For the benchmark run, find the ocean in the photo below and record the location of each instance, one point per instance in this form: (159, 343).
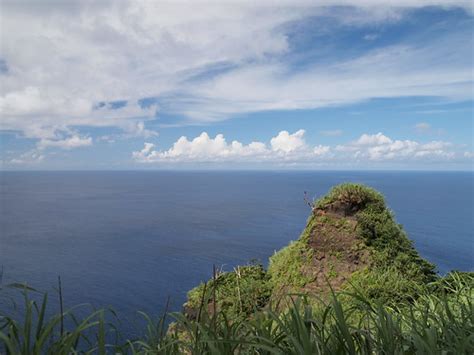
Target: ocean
(132, 239)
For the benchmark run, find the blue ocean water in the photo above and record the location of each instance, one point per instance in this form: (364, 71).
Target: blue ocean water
(131, 239)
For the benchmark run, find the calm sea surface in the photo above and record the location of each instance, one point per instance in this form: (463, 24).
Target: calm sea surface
(131, 239)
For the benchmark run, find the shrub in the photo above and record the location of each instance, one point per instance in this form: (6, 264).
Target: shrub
(391, 248)
(354, 197)
(237, 293)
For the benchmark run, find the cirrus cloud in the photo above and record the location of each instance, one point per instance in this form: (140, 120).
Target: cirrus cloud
(203, 61)
(71, 142)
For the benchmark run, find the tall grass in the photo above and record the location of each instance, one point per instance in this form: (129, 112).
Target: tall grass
(440, 321)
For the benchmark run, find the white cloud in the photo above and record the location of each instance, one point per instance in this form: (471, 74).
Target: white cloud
(292, 150)
(201, 148)
(394, 71)
(435, 145)
(64, 58)
(38, 115)
(378, 147)
(371, 36)
(423, 127)
(137, 129)
(283, 147)
(30, 157)
(373, 139)
(72, 142)
(144, 154)
(287, 142)
(125, 50)
(321, 150)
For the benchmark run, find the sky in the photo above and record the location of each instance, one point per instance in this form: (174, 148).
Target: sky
(319, 85)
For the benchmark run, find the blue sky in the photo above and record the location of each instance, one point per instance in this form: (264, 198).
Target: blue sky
(285, 85)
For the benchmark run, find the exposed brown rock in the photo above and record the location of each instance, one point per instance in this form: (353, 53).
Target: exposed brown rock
(337, 251)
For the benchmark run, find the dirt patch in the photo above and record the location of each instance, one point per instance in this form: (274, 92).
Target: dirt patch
(341, 208)
(337, 251)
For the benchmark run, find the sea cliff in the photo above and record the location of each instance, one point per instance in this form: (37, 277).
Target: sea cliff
(351, 242)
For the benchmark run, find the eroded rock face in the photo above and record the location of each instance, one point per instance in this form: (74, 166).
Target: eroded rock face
(330, 251)
(344, 209)
(337, 251)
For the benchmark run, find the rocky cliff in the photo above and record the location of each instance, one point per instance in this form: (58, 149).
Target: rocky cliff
(351, 241)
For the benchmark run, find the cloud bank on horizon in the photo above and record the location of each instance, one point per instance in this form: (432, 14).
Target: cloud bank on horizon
(291, 148)
(81, 77)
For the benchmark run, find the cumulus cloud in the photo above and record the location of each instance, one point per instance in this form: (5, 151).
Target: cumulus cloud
(379, 147)
(372, 139)
(30, 157)
(321, 150)
(203, 148)
(290, 149)
(287, 142)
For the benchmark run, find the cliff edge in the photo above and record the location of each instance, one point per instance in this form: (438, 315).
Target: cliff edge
(351, 241)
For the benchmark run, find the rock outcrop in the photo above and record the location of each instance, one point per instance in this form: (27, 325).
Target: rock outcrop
(351, 240)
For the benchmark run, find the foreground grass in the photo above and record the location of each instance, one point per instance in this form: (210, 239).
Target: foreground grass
(440, 321)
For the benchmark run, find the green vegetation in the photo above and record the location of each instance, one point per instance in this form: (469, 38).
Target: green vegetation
(394, 269)
(286, 265)
(39, 334)
(392, 248)
(238, 293)
(440, 321)
(353, 197)
(351, 284)
(397, 271)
